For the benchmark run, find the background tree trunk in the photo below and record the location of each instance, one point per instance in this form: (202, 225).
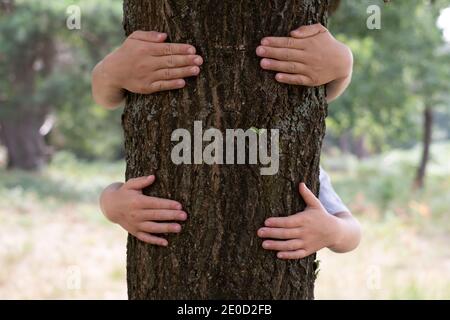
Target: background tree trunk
(24, 143)
(427, 135)
(218, 255)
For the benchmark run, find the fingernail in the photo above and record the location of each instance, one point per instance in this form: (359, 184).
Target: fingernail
(198, 60)
(280, 255)
(176, 228)
(279, 76)
(164, 243)
(265, 244)
(195, 70)
(265, 62)
(260, 50)
(180, 83)
(191, 50)
(183, 215)
(264, 42)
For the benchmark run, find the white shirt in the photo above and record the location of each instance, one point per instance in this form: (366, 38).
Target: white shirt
(328, 197)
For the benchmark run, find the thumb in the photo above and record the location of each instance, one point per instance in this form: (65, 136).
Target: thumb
(140, 183)
(308, 31)
(309, 197)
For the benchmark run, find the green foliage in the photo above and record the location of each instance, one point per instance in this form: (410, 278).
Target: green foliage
(66, 180)
(382, 184)
(398, 70)
(45, 67)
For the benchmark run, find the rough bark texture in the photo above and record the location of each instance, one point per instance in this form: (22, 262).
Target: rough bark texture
(218, 255)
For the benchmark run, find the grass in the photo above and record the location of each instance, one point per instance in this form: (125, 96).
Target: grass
(404, 253)
(56, 244)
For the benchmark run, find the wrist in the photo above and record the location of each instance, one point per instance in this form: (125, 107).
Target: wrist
(104, 76)
(344, 69)
(107, 202)
(337, 236)
(106, 86)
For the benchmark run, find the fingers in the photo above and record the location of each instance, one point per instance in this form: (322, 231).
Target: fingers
(290, 255)
(163, 215)
(174, 61)
(176, 73)
(280, 233)
(288, 245)
(140, 183)
(165, 85)
(283, 66)
(309, 197)
(293, 221)
(283, 42)
(146, 202)
(159, 227)
(149, 36)
(308, 31)
(167, 49)
(283, 54)
(151, 239)
(297, 79)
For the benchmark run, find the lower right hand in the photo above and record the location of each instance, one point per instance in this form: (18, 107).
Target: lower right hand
(146, 64)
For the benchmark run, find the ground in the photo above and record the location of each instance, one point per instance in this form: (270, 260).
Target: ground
(55, 243)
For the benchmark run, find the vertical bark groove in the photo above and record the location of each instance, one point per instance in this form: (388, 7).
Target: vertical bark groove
(218, 254)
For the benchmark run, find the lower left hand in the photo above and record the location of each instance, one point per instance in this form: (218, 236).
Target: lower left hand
(301, 234)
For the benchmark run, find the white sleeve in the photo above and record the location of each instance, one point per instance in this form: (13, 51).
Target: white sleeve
(328, 197)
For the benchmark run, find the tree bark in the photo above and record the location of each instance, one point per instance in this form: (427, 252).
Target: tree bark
(419, 182)
(218, 254)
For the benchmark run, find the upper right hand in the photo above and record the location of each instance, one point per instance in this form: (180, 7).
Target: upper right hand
(146, 64)
(142, 216)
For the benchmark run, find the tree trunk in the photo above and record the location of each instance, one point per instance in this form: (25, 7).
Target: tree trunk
(218, 254)
(360, 147)
(25, 145)
(419, 182)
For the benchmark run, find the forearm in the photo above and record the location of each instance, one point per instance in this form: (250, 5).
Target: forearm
(337, 87)
(348, 235)
(104, 199)
(104, 92)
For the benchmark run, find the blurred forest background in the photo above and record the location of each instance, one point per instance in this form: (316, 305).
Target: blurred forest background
(387, 150)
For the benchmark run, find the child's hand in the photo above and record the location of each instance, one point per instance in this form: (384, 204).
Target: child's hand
(141, 215)
(143, 64)
(311, 56)
(303, 233)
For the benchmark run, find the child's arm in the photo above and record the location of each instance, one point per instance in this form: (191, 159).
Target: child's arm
(299, 235)
(311, 56)
(140, 215)
(143, 64)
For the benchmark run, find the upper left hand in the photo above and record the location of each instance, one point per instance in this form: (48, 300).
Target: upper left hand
(310, 56)
(299, 235)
